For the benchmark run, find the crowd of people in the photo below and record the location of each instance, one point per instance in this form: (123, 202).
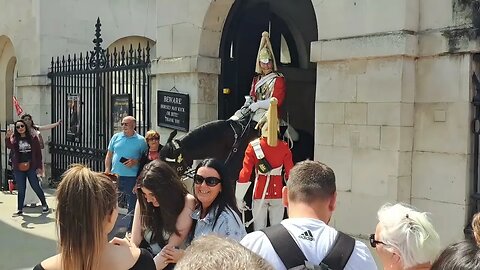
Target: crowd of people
(169, 228)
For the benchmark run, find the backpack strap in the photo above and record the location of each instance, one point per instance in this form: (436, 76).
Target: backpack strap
(285, 246)
(338, 255)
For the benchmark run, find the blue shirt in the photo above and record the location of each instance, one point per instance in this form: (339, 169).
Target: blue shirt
(228, 224)
(132, 147)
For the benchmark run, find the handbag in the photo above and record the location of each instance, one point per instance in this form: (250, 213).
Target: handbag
(24, 166)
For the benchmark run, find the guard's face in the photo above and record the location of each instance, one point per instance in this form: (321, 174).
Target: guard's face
(266, 67)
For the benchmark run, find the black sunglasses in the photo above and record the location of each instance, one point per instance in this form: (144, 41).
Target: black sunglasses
(374, 242)
(210, 181)
(20, 126)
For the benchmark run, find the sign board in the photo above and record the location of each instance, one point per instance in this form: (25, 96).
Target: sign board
(121, 107)
(73, 118)
(173, 110)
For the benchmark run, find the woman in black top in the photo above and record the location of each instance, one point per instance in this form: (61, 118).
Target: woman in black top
(86, 213)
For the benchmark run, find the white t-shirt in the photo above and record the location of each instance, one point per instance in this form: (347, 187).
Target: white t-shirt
(314, 238)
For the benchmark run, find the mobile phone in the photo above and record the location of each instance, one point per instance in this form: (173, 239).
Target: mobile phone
(123, 159)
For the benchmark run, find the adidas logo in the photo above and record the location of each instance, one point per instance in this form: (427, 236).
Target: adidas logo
(307, 235)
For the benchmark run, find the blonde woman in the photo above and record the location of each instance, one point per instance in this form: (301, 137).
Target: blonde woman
(86, 213)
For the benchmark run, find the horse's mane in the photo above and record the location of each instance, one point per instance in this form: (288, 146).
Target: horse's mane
(205, 134)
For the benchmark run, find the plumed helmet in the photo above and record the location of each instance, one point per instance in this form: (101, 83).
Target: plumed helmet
(265, 53)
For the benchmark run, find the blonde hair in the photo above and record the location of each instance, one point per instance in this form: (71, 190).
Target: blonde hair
(85, 200)
(408, 232)
(476, 227)
(229, 255)
(152, 134)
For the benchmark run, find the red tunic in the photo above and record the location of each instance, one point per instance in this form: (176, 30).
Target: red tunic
(276, 157)
(278, 89)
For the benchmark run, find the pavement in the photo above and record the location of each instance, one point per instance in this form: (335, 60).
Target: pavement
(29, 239)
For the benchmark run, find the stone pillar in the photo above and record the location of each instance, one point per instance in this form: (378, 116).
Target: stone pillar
(365, 104)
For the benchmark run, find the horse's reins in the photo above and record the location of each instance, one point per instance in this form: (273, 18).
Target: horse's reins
(236, 142)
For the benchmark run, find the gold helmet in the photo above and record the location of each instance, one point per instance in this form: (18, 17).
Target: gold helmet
(265, 53)
(271, 127)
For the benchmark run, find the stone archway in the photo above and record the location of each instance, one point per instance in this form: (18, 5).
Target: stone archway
(292, 28)
(7, 74)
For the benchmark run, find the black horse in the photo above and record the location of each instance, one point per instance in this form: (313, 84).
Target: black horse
(225, 140)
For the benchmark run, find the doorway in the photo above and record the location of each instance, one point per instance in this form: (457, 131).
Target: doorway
(292, 26)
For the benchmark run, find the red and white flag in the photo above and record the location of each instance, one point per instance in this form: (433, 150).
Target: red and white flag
(18, 109)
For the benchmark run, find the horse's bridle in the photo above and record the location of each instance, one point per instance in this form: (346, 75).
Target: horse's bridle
(236, 142)
(180, 161)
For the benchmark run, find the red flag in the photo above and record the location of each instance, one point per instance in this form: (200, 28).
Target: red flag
(18, 109)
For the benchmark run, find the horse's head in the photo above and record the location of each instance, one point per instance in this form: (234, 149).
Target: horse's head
(172, 153)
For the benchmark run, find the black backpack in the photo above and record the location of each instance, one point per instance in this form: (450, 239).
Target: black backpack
(293, 258)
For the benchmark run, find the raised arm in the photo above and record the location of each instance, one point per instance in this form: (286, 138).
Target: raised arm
(50, 126)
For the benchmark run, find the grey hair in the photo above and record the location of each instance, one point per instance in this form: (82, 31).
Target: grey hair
(214, 252)
(409, 233)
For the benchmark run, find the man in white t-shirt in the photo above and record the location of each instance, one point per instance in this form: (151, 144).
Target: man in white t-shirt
(310, 197)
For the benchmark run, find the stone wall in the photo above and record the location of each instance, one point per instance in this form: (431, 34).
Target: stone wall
(393, 108)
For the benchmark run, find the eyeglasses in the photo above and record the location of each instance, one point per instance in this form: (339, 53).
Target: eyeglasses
(20, 126)
(124, 124)
(374, 242)
(210, 181)
(153, 139)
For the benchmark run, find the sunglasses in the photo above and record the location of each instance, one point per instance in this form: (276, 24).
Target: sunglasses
(374, 242)
(210, 181)
(153, 139)
(20, 126)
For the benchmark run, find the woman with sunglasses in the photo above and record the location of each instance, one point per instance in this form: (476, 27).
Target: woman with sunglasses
(405, 238)
(162, 214)
(30, 197)
(153, 140)
(26, 163)
(216, 211)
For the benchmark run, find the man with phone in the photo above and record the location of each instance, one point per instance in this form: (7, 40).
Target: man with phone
(124, 152)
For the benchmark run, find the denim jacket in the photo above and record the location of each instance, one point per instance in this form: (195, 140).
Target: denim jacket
(228, 224)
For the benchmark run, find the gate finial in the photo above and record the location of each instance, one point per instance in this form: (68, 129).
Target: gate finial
(98, 58)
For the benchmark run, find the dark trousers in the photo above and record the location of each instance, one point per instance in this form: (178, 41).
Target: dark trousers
(126, 184)
(21, 179)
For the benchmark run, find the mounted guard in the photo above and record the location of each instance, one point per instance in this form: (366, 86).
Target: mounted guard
(272, 160)
(267, 84)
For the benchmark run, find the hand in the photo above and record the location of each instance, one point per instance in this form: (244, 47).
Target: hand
(242, 205)
(130, 163)
(253, 107)
(60, 121)
(121, 242)
(9, 133)
(39, 171)
(107, 171)
(172, 254)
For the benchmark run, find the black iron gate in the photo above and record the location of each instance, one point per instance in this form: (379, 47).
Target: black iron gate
(83, 89)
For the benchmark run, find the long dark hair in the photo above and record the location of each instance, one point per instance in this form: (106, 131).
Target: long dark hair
(158, 177)
(17, 136)
(31, 120)
(225, 200)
